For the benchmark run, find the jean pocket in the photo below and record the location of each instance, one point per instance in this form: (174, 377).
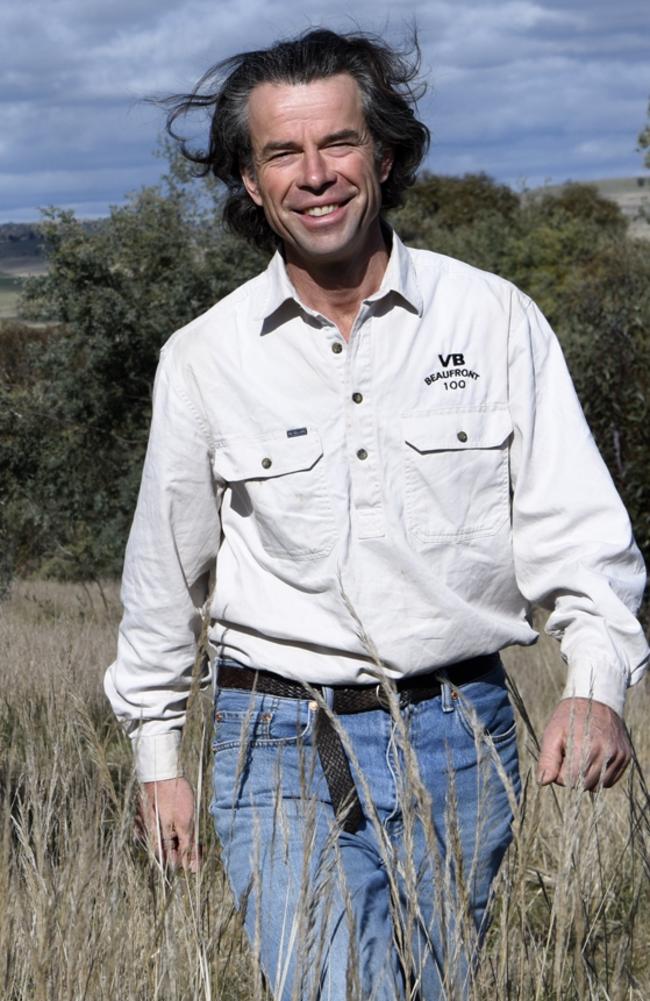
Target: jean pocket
(249, 720)
(484, 708)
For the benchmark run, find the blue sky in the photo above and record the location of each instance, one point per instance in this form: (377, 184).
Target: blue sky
(527, 91)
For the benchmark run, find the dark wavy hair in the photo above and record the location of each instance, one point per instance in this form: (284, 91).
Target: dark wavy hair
(389, 88)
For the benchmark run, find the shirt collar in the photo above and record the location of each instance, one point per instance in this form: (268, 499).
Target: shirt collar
(282, 301)
(400, 277)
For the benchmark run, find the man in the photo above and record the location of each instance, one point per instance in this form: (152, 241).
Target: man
(382, 453)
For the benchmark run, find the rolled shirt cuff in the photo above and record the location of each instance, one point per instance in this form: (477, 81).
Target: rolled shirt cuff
(157, 756)
(602, 684)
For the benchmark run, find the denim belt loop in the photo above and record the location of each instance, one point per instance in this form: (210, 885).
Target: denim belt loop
(327, 693)
(446, 701)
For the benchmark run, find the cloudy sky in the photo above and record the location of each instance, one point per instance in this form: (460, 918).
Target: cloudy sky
(526, 91)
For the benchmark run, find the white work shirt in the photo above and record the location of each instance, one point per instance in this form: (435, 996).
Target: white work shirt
(406, 495)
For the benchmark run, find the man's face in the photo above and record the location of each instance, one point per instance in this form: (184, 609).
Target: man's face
(315, 168)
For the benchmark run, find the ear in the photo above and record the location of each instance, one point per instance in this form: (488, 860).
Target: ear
(386, 165)
(250, 183)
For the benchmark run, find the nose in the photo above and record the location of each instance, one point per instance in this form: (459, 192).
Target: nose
(317, 172)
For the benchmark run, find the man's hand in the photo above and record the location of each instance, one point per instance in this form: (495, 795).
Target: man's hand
(166, 818)
(584, 744)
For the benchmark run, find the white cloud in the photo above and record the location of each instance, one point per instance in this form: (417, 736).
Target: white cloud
(549, 88)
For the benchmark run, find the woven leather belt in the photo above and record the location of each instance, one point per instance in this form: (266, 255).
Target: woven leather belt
(349, 699)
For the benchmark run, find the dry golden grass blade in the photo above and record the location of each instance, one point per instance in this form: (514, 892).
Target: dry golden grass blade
(86, 915)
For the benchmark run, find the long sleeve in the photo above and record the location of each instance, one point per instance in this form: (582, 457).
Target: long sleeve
(573, 547)
(171, 550)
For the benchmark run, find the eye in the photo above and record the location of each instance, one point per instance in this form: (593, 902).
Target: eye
(283, 154)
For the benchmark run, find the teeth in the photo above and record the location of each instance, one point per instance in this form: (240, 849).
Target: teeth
(318, 210)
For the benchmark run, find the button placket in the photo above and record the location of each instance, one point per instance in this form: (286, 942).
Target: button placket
(361, 419)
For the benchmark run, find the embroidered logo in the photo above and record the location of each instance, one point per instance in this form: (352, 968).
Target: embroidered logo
(296, 432)
(445, 360)
(453, 373)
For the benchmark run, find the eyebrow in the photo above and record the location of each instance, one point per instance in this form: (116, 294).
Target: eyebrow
(340, 136)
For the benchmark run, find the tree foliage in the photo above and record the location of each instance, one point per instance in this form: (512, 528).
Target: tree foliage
(73, 427)
(75, 395)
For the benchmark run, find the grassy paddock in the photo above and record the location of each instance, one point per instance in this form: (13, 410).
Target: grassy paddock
(10, 291)
(86, 915)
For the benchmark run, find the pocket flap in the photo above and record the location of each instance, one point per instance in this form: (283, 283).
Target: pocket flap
(458, 429)
(269, 455)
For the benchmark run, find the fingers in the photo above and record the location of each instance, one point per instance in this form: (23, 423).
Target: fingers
(168, 851)
(551, 759)
(585, 745)
(165, 821)
(174, 848)
(615, 768)
(588, 767)
(580, 774)
(188, 852)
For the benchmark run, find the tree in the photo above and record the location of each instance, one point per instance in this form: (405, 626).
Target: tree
(72, 450)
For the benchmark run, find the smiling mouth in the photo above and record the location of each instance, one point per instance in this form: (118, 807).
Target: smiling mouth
(320, 210)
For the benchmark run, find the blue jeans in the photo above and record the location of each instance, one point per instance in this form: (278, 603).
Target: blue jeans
(397, 909)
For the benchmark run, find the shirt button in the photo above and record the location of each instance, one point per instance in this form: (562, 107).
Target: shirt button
(266, 463)
(337, 347)
(362, 454)
(462, 436)
(357, 397)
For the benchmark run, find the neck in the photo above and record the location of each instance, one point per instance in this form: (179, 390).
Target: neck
(337, 288)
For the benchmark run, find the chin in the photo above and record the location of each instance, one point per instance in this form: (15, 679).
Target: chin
(327, 247)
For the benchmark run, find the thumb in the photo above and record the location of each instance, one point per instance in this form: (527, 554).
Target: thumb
(551, 758)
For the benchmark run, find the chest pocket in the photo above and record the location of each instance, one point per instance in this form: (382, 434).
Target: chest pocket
(279, 481)
(456, 474)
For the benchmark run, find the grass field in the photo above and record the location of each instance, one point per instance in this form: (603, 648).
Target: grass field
(10, 286)
(87, 915)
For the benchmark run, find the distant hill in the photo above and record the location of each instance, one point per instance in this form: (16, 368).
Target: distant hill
(631, 194)
(21, 248)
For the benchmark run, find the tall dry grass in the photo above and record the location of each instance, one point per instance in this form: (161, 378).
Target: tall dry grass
(86, 914)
